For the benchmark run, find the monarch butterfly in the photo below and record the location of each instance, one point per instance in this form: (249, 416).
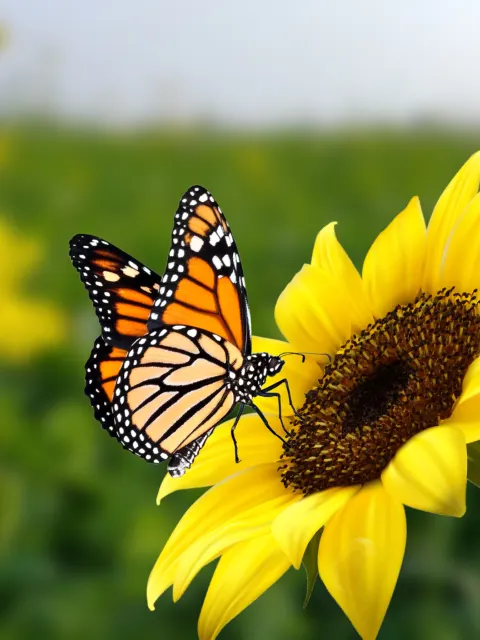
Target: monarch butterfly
(174, 357)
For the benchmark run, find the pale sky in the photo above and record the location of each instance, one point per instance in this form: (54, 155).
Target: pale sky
(250, 62)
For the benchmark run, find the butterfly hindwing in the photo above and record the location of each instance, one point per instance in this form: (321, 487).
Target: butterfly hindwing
(172, 390)
(203, 285)
(121, 288)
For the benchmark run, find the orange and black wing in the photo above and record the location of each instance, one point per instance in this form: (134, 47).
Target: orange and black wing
(172, 390)
(101, 373)
(121, 288)
(203, 285)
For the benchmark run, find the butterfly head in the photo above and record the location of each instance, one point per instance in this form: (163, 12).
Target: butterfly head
(274, 365)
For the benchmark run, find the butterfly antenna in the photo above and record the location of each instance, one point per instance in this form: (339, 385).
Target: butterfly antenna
(305, 353)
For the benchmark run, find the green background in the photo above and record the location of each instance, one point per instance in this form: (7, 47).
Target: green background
(79, 528)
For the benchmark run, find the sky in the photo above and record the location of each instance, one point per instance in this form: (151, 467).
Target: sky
(254, 62)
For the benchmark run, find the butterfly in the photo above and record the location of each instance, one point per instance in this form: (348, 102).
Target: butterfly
(175, 354)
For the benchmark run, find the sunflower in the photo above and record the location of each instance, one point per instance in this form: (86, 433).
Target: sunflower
(383, 422)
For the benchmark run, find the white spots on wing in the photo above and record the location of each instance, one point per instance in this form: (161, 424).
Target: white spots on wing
(181, 253)
(214, 238)
(177, 327)
(233, 277)
(217, 338)
(170, 265)
(217, 262)
(226, 260)
(196, 244)
(180, 268)
(174, 277)
(193, 203)
(203, 197)
(192, 333)
(185, 215)
(130, 272)
(229, 240)
(220, 231)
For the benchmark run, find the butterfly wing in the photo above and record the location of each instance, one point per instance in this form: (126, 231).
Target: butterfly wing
(101, 373)
(122, 290)
(172, 390)
(203, 285)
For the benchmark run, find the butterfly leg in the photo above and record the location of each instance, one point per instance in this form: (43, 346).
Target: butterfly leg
(265, 422)
(232, 431)
(287, 387)
(274, 394)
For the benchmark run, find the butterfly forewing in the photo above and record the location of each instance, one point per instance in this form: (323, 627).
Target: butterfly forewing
(121, 288)
(101, 372)
(173, 388)
(203, 285)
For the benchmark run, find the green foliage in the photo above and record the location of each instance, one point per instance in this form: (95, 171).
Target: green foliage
(79, 529)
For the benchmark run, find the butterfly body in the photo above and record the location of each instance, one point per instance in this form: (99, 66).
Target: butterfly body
(174, 357)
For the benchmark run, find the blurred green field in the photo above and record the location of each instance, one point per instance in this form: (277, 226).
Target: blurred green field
(79, 529)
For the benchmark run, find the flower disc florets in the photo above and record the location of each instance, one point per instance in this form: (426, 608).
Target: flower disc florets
(399, 376)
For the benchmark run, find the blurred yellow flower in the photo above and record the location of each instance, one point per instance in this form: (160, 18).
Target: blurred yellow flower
(384, 424)
(4, 36)
(27, 325)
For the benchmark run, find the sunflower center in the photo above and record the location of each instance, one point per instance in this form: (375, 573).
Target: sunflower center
(399, 376)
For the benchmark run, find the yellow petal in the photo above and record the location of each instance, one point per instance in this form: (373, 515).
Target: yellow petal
(223, 503)
(430, 472)
(244, 572)
(329, 255)
(471, 382)
(296, 525)
(466, 413)
(394, 264)
(460, 266)
(301, 376)
(216, 461)
(449, 208)
(314, 314)
(360, 555)
(248, 524)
